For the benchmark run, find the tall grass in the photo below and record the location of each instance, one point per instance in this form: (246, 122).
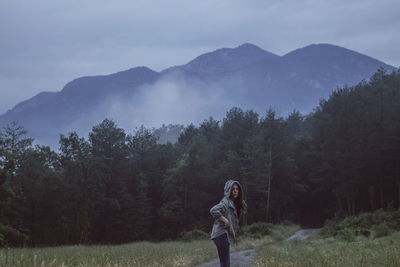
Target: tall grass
(368, 239)
(332, 252)
(174, 253)
(134, 254)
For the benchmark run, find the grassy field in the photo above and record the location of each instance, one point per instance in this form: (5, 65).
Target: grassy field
(134, 254)
(331, 251)
(366, 239)
(317, 251)
(174, 253)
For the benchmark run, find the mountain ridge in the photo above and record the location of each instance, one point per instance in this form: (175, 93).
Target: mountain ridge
(245, 76)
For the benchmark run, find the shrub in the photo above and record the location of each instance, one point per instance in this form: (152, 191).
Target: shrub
(380, 223)
(286, 223)
(331, 227)
(348, 234)
(11, 237)
(194, 234)
(381, 230)
(257, 230)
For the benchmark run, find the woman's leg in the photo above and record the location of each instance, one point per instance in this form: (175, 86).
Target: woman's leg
(222, 244)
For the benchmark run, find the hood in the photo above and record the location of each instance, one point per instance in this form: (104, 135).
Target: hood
(228, 188)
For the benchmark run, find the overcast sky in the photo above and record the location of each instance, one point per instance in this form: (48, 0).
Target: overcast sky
(46, 43)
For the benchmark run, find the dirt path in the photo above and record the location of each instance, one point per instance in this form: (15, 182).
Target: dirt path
(243, 258)
(302, 234)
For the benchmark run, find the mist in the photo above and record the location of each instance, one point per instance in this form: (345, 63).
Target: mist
(45, 44)
(170, 100)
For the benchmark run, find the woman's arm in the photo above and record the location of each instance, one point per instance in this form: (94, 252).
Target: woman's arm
(224, 221)
(218, 211)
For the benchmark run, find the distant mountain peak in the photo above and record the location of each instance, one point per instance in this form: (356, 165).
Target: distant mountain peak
(321, 49)
(249, 47)
(228, 59)
(124, 79)
(246, 49)
(323, 45)
(136, 70)
(324, 53)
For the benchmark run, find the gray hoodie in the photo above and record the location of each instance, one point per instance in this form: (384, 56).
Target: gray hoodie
(226, 208)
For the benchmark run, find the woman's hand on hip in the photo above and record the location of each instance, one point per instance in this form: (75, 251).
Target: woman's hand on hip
(224, 221)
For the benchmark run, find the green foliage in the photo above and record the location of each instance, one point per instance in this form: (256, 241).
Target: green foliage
(382, 229)
(10, 237)
(257, 230)
(351, 158)
(195, 234)
(277, 232)
(376, 224)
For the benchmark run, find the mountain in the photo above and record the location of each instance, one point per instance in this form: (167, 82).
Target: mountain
(331, 65)
(246, 76)
(48, 114)
(226, 60)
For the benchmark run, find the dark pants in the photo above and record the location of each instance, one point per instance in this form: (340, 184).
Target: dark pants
(222, 244)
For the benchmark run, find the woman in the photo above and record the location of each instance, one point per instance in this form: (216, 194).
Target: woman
(226, 216)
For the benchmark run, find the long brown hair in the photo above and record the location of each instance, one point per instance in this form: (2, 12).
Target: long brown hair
(240, 203)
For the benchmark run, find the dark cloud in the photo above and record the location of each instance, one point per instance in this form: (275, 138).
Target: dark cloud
(45, 43)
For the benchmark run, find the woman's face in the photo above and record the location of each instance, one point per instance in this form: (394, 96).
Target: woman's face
(235, 191)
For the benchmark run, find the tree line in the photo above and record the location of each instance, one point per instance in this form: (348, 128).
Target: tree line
(115, 187)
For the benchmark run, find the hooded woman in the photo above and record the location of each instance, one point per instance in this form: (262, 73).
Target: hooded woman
(226, 216)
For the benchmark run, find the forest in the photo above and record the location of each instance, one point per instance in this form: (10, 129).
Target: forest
(116, 187)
